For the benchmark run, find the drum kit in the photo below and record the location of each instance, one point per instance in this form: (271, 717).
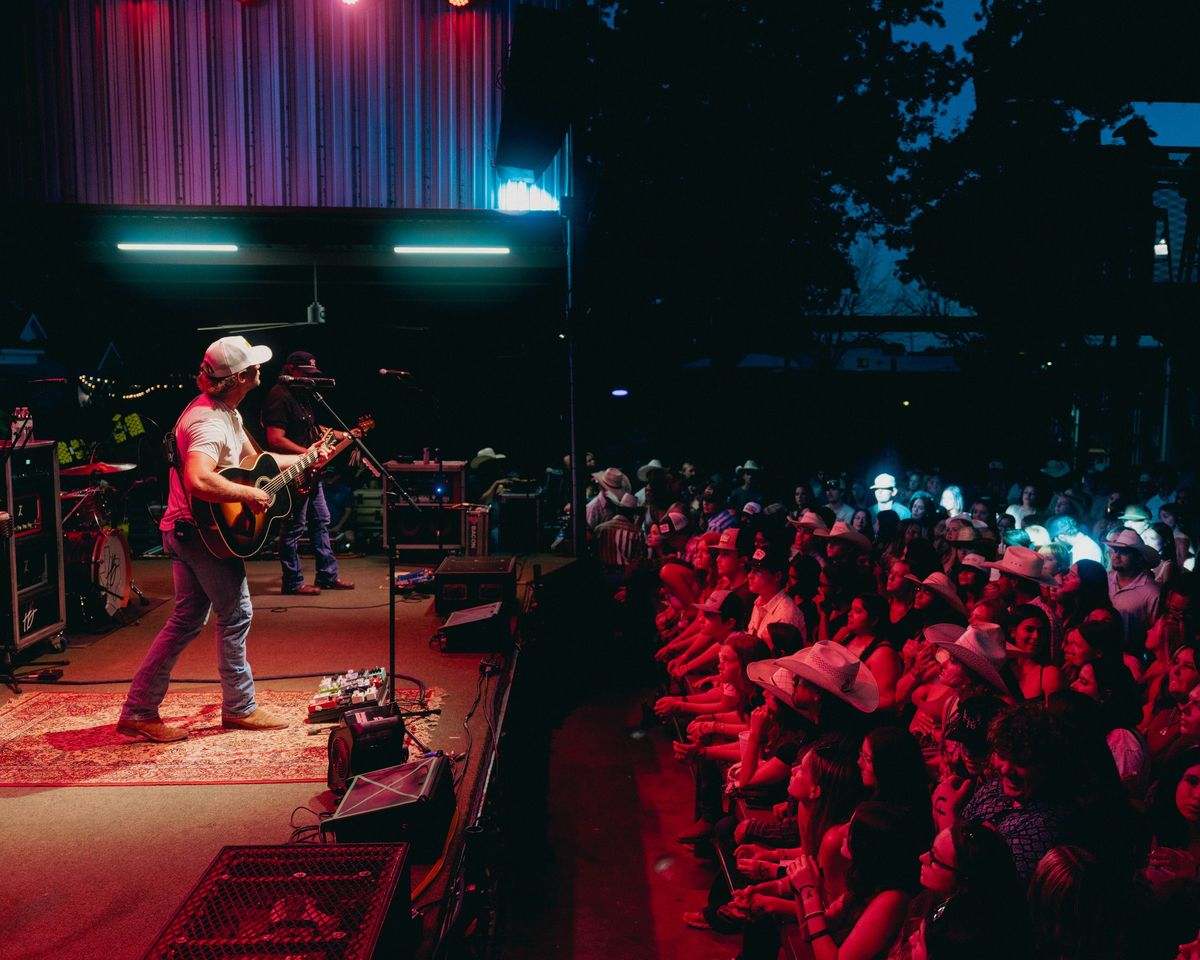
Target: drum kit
(96, 559)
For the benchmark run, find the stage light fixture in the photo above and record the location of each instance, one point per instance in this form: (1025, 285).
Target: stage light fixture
(454, 251)
(349, 3)
(178, 247)
(620, 392)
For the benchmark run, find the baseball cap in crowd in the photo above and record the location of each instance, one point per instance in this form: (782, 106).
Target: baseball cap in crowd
(231, 355)
(884, 481)
(303, 363)
(768, 559)
(729, 540)
(671, 522)
(726, 603)
(971, 721)
(752, 508)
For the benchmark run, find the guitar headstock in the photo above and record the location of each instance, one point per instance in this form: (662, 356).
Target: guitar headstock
(366, 422)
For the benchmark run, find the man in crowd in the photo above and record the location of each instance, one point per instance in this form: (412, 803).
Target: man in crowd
(772, 604)
(1131, 588)
(835, 498)
(884, 489)
(603, 506)
(291, 424)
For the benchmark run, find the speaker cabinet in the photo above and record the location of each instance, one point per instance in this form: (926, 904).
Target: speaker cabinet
(33, 601)
(412, 802)
(347, 901)
(461, 582)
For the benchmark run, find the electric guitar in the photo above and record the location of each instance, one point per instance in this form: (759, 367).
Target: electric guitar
(233, 529)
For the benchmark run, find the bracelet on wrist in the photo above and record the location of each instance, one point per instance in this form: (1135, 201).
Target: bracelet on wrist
(815, 913)
(818, 935)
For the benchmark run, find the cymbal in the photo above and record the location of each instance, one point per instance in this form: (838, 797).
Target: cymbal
(90, 469)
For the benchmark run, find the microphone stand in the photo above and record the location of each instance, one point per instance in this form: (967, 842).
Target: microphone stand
(390, 485)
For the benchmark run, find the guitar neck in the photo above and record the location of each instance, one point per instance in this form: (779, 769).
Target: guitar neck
(302, 464)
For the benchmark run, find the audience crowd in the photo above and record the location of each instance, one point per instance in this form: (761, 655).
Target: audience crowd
(926, 719)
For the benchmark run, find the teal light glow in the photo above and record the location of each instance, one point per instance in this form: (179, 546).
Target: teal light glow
(178, 247)
(455, 251)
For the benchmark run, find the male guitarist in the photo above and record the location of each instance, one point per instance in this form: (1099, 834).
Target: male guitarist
(210, 437)
(291, 425)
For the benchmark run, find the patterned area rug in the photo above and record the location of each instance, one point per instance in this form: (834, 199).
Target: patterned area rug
(68, 739)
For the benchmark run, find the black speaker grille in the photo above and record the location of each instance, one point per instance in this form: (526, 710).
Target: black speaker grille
(310, 902)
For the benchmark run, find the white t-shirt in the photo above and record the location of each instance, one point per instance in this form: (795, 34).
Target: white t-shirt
(210, 427)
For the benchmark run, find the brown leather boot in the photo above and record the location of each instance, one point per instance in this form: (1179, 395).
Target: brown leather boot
(154, 730)
(258, 720)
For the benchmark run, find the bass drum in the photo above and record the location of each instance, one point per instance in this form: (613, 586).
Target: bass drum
(98, 573)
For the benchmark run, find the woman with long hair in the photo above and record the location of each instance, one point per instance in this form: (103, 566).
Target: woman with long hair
(866, 637)
(1029, 652)
(1078, 908)
(882, 845)
(894, 771)
(967, 872)
(1162, 726)
(1084, 589)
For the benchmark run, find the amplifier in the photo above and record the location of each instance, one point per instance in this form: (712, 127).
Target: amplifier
(371, 738)
(33, 604)
(411, 801)
(429, 527)
(296, 900)
(476, 629)
(461, 582)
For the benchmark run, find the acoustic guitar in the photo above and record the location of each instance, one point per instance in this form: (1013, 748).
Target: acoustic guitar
(233, 529)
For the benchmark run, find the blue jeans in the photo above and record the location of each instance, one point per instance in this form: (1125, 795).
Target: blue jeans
(202, 584)
(308, 512)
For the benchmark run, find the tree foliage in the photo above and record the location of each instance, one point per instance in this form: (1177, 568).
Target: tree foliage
(735, 150)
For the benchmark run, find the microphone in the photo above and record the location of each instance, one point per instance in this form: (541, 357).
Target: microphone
(384, 372)
(308, 383)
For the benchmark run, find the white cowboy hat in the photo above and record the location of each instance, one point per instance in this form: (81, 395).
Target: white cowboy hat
(847, 534)
(484, 455)
(980, 648)
(979, 562)
(810, 519)
(827, 665)
(644, 470)
(612, 480)
(1127, 539)
(1023, 562)
(937, 582)
(1056, 468)
(750, 465)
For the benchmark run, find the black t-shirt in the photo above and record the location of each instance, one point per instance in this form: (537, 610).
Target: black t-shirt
(286, 408)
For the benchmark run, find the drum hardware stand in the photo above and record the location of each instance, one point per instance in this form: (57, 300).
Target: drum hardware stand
(392, 482)
(12, 679)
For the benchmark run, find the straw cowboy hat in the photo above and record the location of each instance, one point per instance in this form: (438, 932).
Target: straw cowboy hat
(979, 562)
(644, 469)
(980, 648)
(1023, 562)
(829, 666)
(940, 584)
(612, 481)
(812, 520)
(1129, 540)
(847, 534)
(750, 465)
(484, 455)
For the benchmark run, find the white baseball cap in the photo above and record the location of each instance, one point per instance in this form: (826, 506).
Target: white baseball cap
(231, 355)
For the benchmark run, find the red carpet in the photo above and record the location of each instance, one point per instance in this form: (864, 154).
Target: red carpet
(68, 739)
